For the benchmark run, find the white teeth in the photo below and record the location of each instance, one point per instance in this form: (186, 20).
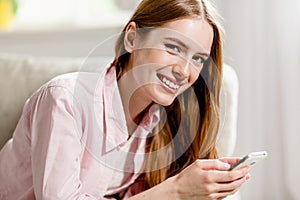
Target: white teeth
(170, 84)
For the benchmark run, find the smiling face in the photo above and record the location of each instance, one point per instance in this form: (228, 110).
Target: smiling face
(168, 60)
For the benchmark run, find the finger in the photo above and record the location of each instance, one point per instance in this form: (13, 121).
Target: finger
(223, 195)
(229, 176)
(230, 160)
(231, 186)
(226, 193)
(226, 188)
(212, 164)
(248, 176)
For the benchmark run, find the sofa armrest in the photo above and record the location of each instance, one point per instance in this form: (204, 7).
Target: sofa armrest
(229, 112)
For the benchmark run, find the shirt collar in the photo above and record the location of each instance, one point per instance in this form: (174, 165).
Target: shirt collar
(151, 118)
(115, 128)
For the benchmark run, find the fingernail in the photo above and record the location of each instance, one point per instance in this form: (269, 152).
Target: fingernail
(248, 176)
(227, 166)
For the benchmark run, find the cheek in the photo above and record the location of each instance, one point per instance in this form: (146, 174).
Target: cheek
(148, 61)
(152, 56)
(145, 73)
(195, 73)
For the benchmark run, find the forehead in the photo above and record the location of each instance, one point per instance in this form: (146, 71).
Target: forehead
(194, 32)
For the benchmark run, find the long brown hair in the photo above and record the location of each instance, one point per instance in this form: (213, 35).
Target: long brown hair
(189, 126)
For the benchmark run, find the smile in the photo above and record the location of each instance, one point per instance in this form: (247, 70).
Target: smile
(171, 84)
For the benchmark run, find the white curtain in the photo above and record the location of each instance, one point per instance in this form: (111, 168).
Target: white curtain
(263, 44)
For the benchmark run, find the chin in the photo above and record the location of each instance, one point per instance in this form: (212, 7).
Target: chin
(165, 101)
(163, 98)
(165, 104)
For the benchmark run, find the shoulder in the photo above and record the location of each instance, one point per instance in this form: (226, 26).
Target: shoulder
(73, 81)
(79, 84)
(68, 88)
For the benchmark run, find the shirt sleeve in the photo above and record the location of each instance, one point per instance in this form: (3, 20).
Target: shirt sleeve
(56, 147)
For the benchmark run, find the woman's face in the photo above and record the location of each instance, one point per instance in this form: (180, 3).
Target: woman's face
(168, 60)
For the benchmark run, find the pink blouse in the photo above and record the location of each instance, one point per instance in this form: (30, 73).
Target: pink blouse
(71, 142)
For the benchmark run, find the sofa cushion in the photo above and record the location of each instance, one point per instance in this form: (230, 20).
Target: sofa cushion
(20, 76)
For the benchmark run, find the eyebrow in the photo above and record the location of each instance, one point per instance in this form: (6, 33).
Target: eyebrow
(185, 46)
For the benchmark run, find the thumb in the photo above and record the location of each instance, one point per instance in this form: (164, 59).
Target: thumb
(212, 164)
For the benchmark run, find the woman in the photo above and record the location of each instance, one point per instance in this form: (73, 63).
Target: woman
(145, 127)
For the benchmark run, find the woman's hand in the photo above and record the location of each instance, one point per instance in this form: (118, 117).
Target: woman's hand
(209, 179)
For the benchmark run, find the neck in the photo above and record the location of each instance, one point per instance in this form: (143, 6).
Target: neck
(133, 100)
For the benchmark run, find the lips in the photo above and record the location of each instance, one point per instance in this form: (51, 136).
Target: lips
(168, 82)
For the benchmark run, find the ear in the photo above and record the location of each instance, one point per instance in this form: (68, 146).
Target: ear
(130, 37)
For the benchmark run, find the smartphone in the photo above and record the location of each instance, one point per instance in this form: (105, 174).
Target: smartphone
(250, 160)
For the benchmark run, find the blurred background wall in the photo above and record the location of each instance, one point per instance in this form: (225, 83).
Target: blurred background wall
(262, 43)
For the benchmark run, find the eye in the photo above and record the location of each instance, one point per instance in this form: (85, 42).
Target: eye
(173, 48)
(199, 59)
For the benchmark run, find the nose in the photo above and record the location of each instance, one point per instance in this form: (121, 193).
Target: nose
(181, 71)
